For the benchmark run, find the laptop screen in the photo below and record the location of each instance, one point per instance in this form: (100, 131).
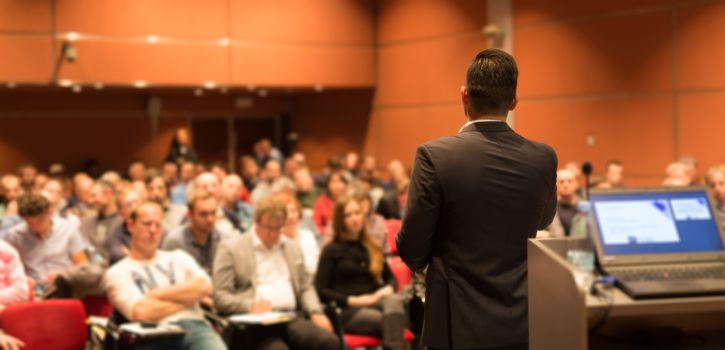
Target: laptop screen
(655, 222)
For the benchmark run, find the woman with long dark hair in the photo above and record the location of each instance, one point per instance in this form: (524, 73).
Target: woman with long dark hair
(352, 272)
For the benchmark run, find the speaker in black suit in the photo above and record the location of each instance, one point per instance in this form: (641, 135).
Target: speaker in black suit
(474, 200)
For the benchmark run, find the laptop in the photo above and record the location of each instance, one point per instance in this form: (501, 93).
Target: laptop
(659, 242)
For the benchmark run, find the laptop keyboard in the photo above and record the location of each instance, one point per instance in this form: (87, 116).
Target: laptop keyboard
(669, 273)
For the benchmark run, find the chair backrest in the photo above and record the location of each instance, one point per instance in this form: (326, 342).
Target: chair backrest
(48, 324)
(393, 229)
(401, 272)
(97, 305)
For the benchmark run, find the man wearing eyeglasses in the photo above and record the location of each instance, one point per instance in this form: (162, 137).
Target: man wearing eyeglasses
(262, 271)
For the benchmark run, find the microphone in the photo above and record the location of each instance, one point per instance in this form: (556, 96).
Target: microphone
(587, 169)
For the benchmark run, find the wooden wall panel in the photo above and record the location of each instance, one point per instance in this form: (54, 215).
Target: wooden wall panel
(702, 127)
(701, 52)
(302, 65)
(637, 131)
(311, 22)
(615, 55)
(408, 20)
(25, 16)
(531, 12)
(26, 58)
(426, 72)
(193, 19)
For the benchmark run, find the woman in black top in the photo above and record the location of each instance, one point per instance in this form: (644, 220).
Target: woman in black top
(352, 272)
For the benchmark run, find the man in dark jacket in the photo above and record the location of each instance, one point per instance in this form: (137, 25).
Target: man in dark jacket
(474, 200)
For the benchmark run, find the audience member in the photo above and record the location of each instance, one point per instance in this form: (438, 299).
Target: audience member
(567, 209)
(137, 172)
(238, 212)
(10, 185)
(297, 232)
(119, 240)
(170, 173)
(80, 204)
(612, 175)
(40, 180)
(335, 187)
(209, 183)
(95, 229)
(677, 174)
(181, 149)
(27, 174)
(14, 288)
(291, 165)
(392, 204)
(197, 236)
(375, 226)
(352, 272)
(265, 152)
(219, 169)
(352, 160)
(262, 271)
(53, 192)
(307, 192)
(691, 170)
(716, 180)
(46, 246)
(186, 176)
(272, 172)
(160, 286)
(250, 172)
(158, 192)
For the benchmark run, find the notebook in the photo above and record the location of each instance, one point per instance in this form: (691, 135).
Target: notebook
(659, 242)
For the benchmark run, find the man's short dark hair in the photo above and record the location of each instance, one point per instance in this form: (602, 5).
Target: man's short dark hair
(32, 205)
(491, 82)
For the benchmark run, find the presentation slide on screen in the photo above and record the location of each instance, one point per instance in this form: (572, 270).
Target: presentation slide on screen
(642, 221)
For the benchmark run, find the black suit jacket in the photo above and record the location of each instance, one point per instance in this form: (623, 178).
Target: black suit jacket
(475, 198)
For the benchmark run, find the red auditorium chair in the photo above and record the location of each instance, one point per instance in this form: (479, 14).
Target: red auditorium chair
(57, 324)
(393, 229)
(353, 341)
(97, 305)
(401, 272)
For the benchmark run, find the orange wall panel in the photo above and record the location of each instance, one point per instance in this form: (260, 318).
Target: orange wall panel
(425, 72)
(528, 12)
(185, 19)
(125, 62)
(26, 58)
(702, 127)
(25, 16)
(115, 142)
(701, 48)
(300, 65)
(403, 20)
(637, 131)
(292, 21)
(616, 55)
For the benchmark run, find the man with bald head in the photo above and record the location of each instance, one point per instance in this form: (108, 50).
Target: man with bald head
(10, 190)
(567, 209)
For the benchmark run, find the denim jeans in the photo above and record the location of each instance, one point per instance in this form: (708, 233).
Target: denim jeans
(199, 336)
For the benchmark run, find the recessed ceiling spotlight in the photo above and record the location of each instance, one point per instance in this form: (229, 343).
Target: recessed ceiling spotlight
(198, 92)
(71, 36)
(98, 86)
(140, 84)
(65, 82)
(224, 42)
(152, 39)
(262, 92)
(209, 84)
(77, 88)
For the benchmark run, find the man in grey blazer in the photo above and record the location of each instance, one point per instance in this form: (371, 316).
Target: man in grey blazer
(474, 200)
(262, 271)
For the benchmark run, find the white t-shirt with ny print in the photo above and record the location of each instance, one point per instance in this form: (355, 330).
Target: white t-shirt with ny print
(128, 280)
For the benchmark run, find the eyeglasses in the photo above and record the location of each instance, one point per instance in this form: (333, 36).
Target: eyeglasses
(271, 228)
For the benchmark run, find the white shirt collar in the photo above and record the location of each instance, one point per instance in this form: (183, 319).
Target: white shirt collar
(479, 121)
